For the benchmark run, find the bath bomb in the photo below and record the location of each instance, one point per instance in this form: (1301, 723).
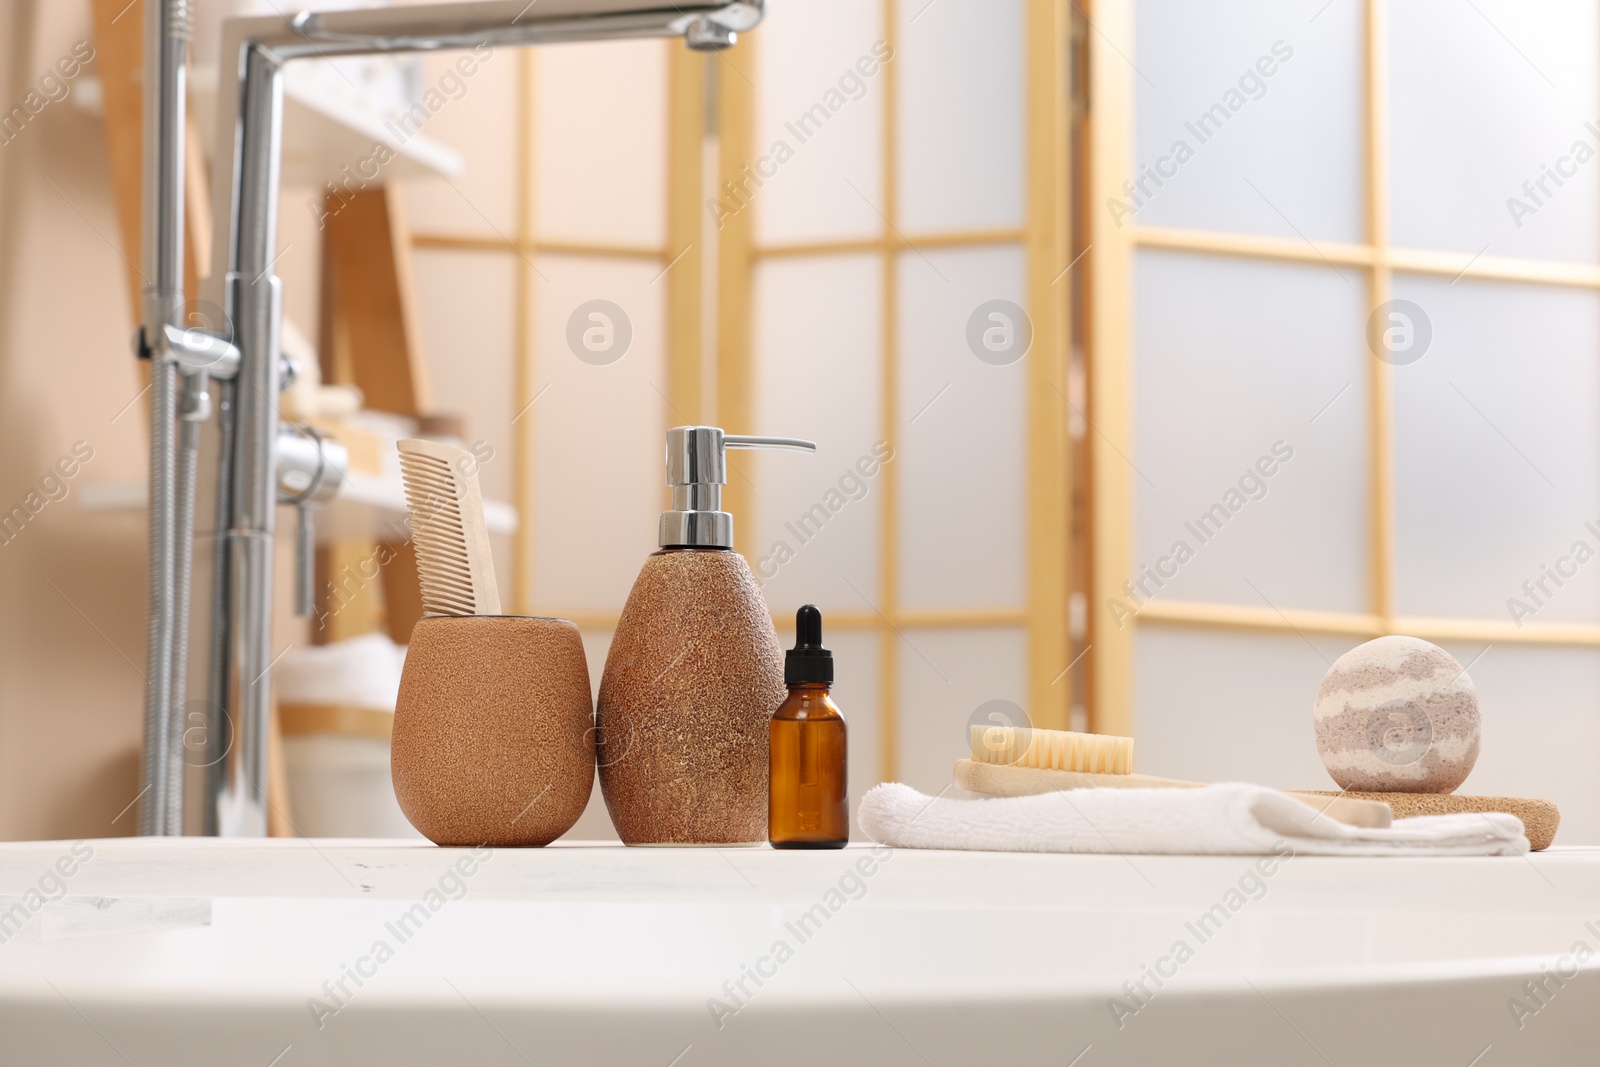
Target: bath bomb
(1397, 715)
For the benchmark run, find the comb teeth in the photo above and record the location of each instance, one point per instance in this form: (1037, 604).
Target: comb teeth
(453, 561)
(1058, 750)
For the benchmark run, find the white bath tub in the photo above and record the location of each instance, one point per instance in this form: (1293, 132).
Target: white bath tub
(207, 952)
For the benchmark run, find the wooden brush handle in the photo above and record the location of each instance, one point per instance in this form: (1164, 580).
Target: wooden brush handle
(997, 780)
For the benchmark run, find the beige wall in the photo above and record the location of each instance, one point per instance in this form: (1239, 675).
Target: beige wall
(72, 582)
(72, 661)
(72, 635)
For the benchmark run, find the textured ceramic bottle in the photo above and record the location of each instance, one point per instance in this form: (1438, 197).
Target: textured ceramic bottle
(694, 672)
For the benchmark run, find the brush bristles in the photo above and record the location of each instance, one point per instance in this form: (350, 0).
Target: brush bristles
(444, 537)
(1057, 750)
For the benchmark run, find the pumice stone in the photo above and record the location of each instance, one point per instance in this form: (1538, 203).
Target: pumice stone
(1398, 715)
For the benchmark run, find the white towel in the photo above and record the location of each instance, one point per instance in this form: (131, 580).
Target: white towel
(1228, 819)
(363, 672)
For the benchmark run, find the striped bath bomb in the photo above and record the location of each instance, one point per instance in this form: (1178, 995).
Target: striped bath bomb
(1397, 715)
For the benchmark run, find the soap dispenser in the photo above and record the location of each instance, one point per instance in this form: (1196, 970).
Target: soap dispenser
(695, 670)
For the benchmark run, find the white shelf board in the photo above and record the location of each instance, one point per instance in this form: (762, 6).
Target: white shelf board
(366, 507)
(323, 133)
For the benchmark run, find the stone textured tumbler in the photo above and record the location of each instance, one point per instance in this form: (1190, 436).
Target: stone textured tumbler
(691, 682)
(493, 730)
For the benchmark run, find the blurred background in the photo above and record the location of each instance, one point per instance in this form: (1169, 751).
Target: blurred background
(1310, 289)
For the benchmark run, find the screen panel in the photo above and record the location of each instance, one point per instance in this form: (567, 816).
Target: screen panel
(945, 676)
(1497, 451)
(1226, 706)
(467, 105)
(1540, 730)
(1248, 118)
(961, 434)
(1488, 96)
(601, 175)
(819, 121)
(1251, 393)
(1482, 138)
(818, 376)
(961, 114)
(470, 349)
(599, 426)
(831, 191)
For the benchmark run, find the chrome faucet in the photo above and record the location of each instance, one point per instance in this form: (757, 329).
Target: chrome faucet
(242, 350)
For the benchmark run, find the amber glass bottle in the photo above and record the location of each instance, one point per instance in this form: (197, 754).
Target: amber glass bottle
(808, 805)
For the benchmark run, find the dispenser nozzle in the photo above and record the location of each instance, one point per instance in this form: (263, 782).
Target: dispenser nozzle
(794, 444)
(697, 469)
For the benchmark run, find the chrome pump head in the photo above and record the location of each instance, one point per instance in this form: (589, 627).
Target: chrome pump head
(697, 469)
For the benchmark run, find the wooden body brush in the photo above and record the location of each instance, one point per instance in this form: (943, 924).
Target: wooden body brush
(1008, 761)
(494, 726)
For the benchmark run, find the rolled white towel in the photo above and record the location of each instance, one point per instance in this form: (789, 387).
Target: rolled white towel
(362, 672)
(1228, 819)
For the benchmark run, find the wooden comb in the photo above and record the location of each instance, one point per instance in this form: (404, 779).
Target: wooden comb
(452, 543)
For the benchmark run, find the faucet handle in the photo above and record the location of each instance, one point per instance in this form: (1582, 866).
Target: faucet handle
(305, 563)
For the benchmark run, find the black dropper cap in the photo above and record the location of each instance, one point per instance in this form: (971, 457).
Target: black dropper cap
(808, 661)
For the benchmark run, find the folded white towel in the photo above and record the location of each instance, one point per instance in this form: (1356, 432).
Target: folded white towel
(362, 672)
(1232, 818)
